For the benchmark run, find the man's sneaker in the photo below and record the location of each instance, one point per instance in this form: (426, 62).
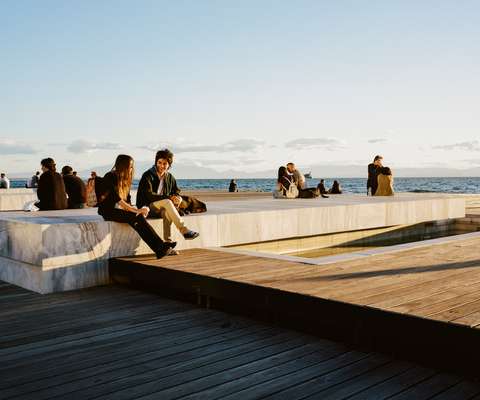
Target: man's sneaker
(190, 235)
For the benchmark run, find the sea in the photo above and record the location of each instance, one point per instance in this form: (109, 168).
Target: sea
(349, 185)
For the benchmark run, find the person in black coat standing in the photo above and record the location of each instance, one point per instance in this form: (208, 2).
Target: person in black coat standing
(51, 189)
(373, 169)
(75, 188)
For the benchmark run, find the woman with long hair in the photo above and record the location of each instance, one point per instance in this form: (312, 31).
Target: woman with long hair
(336, 188)
(385, 182)
(114, 204)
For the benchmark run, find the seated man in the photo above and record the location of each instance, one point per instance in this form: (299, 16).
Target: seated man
(75, 188)
(158, 190)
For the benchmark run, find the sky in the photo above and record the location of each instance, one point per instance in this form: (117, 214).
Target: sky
(240, 85)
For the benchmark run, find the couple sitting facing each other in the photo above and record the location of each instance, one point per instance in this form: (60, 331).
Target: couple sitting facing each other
(291, 184)
(158, 195)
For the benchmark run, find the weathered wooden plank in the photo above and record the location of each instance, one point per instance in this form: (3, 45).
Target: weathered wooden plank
(428, 388)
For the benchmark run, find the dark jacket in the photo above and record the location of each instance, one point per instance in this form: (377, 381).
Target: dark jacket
(148, 186)
(76, 190)
(106, 189)
(372, 182)
(51, 192)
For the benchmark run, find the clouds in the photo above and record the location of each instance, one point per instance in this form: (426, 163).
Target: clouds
(10, 147)
(85, 146)
(377, 140)
(472, 145)
(241, 146)
(329, 144)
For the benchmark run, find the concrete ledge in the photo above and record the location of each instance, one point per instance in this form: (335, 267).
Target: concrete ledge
(75, 242)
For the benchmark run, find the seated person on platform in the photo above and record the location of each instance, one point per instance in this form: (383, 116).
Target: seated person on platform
(33, 183)
(385, 182)
(336, 188)
(284, 180)
(158, 190)
(321, 187)
(51, 189)
(4, 181)
(113, 197)
(298, 177)
(233, 186)
(75, 188)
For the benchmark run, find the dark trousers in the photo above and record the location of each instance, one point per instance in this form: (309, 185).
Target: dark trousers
(137, 222)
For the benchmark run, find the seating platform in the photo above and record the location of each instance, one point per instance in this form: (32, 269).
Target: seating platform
(15, 199)
(69, 249)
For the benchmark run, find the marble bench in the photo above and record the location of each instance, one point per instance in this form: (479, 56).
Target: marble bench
(69, 249)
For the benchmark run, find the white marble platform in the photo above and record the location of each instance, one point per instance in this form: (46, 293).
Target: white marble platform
(15, 199)
(68, 249)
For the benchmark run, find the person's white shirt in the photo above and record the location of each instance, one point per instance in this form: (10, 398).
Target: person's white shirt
(5, 183)
(160, 186)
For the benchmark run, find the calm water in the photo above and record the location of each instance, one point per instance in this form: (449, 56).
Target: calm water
(350, 185)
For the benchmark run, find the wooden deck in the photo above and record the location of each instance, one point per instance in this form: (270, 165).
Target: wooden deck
(421, 302)
(117, 343)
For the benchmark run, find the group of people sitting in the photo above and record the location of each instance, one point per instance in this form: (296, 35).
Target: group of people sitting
(291, 184)
(380, 179)
(158, 196)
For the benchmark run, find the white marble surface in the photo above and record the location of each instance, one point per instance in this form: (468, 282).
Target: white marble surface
(15, 201)
(75, 238)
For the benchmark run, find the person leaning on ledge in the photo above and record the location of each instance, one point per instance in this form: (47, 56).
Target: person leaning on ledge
(158, 191)
(51, 189)
(75, 188)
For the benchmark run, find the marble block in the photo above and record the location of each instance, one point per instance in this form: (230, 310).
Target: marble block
(15, 201)
(50, 250)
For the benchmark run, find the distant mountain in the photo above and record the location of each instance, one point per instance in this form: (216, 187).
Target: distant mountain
(188, 171)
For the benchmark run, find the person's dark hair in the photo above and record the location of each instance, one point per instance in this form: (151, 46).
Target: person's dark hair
(165, 154)
(281, 173)
(49, 164)
(2, 174)
(37, 173)
(377, 157)
(67, 170)
(386, 171)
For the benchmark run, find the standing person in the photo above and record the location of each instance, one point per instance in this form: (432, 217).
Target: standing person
(34, 180)
(298, 177)
(75, 188)
(90, 190)
(233, 186)
(51, 189)
(372, 182)
(114, 204)
(4, 181)
(158, 190)
(385, 182)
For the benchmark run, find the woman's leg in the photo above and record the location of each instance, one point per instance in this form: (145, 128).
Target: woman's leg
(137, 222)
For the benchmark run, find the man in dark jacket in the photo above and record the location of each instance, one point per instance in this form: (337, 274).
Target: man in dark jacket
(51, 189)
(75, 188)
(373, 168)
(158, 191)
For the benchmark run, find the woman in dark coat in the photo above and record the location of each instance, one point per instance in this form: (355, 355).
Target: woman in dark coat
(51, 189)
(113, 195)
